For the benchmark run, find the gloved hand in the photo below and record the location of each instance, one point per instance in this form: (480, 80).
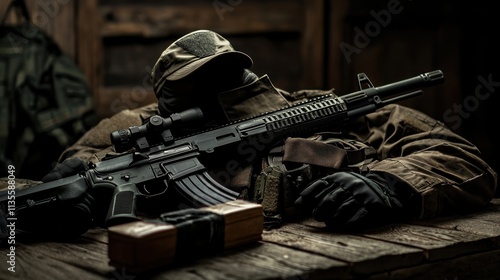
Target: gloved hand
(68, 167)
(68, 220)
(350, 201)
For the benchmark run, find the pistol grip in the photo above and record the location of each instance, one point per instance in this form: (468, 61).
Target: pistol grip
(123, 205)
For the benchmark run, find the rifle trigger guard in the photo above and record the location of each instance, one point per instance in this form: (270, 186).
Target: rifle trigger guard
(151, 194)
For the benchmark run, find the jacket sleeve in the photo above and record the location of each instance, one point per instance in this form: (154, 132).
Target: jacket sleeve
(445, 171)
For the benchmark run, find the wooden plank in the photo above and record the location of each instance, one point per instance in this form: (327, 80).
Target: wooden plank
(313, 49)
(115, 99)
(439, 243)
(301, 251)
(484, 222)
(483, 266)
(260, 261)
(89, 45)
(86, 258)
(151, 21)
(365, 255)
(136, 69)
(38, 258)
(99, 235)
(64, 25)
(335, 21)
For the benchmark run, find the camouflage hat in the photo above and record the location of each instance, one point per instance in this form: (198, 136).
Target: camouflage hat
(192, 51)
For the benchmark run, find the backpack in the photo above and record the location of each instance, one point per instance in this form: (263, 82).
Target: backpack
(45, 102)
(292, 165)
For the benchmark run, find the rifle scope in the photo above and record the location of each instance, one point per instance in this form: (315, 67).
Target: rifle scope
(155, 129)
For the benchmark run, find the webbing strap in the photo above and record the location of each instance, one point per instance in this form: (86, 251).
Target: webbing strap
(199, 232)
(331, 153)
(302, 150)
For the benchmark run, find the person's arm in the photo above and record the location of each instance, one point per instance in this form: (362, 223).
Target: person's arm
(445, 170)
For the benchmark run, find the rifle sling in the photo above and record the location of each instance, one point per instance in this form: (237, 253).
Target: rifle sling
(301, 150)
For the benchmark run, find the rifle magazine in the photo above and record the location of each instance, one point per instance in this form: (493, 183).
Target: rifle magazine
(199, 190)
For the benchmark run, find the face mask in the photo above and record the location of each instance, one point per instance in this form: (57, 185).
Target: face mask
(252, 99)
(201, 89)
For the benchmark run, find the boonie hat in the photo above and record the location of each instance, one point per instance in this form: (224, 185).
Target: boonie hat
(192, 51)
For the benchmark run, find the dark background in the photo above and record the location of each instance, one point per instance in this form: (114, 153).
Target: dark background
(299, 44)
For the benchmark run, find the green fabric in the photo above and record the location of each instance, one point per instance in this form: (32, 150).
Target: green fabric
(45, 101)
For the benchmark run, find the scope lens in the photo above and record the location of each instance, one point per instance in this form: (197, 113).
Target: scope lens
(121, 140)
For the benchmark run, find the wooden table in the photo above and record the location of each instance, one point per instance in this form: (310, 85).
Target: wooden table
(466, 247)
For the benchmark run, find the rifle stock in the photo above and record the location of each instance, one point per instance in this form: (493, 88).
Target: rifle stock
(145, 177)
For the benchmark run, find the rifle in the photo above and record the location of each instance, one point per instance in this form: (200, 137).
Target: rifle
(158, 172)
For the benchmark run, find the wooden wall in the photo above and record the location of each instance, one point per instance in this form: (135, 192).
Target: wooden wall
(394, 40)
(54, 17)
(285, 39)
(299, 44)
(404, 38)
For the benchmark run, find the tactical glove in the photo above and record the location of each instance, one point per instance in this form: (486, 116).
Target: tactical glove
(63, 220)
(350, 201)
(68, 167)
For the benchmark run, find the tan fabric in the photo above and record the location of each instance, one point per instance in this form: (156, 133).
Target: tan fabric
(20, 183)
(313, 152)
(445, 169)
(191, 52)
